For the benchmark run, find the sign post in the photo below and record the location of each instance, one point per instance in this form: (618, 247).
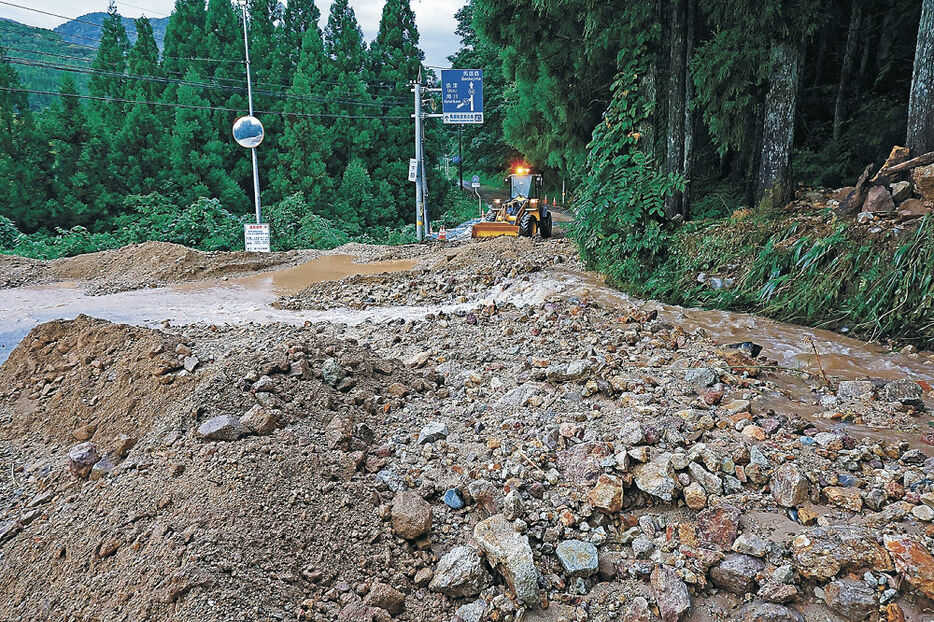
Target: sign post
(475, 184)
(256, 237)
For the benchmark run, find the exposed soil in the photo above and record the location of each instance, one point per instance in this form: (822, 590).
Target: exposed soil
(638, 459)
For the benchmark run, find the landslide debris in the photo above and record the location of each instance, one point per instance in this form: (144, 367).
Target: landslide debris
(564, 459)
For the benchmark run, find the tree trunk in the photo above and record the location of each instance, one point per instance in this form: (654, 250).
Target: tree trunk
(674, 162)
(921, 105)
(887, 34)
(688, 169)
(846, 71)
(650, 89)
(778, 125)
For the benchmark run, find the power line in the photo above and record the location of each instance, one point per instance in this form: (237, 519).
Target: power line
(141, 8)
(114, 100)
(16, 60)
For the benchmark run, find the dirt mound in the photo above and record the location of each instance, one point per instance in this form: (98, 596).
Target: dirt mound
(454, 273)
(18, 271)
(150, 264)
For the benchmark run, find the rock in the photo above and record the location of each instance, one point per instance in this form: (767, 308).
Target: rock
(102, 467)
(737, 573)
(8, 529)
(921, 512)
(878, 200)
(717, 526)
(518, 397)
(822, 552)
(751, 544)
(385, 597)
(789, 486)
(631, 433)
(579, 559)
(902, 391)
(923, 179)
(85, 432)
(471, 612)
(607, 495)
(758, 611)
(711, 483)
(332, 372)
(411, 515)
(657, 477)
(434, 431)
(701, 376)
(775, 592)
(453, 499)
(695, 497)
(122, 445)
(846, 498)
(642, 547)
(460, 573)
(509, 552)
(258, 420)
(671, 594)
(221, 428)
(190, 363)
(638, 611)
(901, 190)
(913, 561)
(855, 389)
(854, 600)
(397, 389)
(81, 458)
(912, 209)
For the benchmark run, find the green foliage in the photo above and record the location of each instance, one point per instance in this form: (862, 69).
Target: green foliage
(204, 224)
(295, 225)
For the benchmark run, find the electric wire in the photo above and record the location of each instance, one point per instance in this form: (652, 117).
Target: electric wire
(283, 113)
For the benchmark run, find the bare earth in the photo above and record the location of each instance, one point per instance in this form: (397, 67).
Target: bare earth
(612, 462)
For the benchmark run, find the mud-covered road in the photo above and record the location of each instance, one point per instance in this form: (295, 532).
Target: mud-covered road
(469, 431)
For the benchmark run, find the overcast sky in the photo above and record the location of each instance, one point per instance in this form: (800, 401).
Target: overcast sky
(435, 18)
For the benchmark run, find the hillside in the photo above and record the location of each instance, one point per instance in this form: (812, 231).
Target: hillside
(79, 32)
(38, 44)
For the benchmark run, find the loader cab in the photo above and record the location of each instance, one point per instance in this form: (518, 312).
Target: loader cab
(524, 184)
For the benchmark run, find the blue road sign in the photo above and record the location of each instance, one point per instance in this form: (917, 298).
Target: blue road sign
(455, 159)
(462, 95)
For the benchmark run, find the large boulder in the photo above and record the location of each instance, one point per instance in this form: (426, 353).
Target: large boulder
(878, 200)
(737, 573)
(923, 178)
(853, 600)
(411, 515)
(460, 573)
(822, 552)
(913, 561)
(510, 553)
(789, 485)
(671, 594)
(657, 478)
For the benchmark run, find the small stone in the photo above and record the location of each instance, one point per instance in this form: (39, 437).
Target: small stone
(878, 200)
(190, 363)
(385, 597)
(901, 190)
(737, 573)
(397, 389)
(510, 553)
(854, 600)
(258, 420)
(902, 391)
(642, 547)
(102, 467)
(471, 612)
(81, 458)
(789, 486)
(718, 526)
(8, 529)
(923, 512)
(775, 592)
(607, 495)
(460, 573)
(85, 432)
(855, 389)
(751, 544)
(423, 577)
(656, 478)
(701, 376)
(221, 428)
(517, 397)
(122, 445)
(579, 559)
(434, 431)
(332, 372)
(638, 611)
(453, 499)
(411, 515)
(846, 498)
(671, 594)
(758, 611)
(695, 496)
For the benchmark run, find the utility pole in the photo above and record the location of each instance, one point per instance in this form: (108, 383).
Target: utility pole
(249, 96)
(460, 155)
(419, 197)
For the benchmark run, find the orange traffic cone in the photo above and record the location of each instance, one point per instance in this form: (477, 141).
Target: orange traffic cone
(442, 234)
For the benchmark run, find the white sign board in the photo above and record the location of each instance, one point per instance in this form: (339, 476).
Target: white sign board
(413, 169)
(256, 238)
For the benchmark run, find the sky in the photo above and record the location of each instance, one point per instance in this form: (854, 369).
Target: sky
(435, 18)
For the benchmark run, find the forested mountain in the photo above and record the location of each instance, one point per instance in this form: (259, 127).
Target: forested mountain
(32, 45)
(83, 30)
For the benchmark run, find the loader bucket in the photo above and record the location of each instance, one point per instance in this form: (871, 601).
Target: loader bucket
(493, 229)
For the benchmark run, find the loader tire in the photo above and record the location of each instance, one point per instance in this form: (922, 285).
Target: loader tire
(527, 226)
(545, 228)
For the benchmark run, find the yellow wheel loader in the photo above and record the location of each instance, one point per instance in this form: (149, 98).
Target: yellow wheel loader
(522, 214)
